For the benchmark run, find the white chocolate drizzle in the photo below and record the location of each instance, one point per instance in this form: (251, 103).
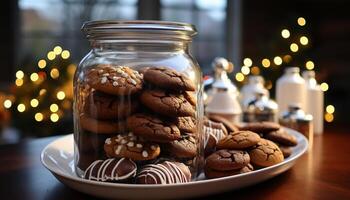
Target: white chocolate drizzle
(217, 134)
(102, 175)
(165, 173)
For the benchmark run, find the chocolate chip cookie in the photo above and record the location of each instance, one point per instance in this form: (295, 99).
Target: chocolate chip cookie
(168, 104)
(282, 137)
(226, 160)
(238, 140)
(103, 106)
(111, 170)
(261, 127)
(167, 78)
(186, 124)
(265, 153)
(211, 173)
(186, 147)
(115, 80)
(152, 128)
(164, 173)
(102, 126)
(131, 146)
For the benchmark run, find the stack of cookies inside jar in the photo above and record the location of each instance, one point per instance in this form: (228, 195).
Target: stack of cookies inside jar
(136, 126)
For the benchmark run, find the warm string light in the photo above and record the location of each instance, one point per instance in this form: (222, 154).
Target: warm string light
(304, 40)
(294, 47)
(51, 55)
(285, 33)
(19, 82)
(309, 65)
(330, 109)
(7, 103)
(34, 77)
(60, 95)
(239, 77)
(57, 50)
(277, 60)
(245, 70)
(21, 107)
(324, 86)
(255, 70)
(247, 62)
(19, 74)
(53, 107)
(65, 54)
(34, 103)
(301, 21)
(54, 73)
(54, 117)
(38, 117)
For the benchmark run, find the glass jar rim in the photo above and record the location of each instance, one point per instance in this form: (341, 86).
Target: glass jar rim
(138, 29)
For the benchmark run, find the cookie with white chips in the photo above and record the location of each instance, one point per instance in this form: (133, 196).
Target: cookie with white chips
(115, 80)
(111, 170)
(164, 173)
(131, 146)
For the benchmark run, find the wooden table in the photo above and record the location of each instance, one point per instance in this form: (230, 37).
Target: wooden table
(323, 173)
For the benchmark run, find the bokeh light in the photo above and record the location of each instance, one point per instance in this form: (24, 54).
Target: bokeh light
(277, 60)
(239, 77)
(34, 103)
(42, 64)
(245, 70)
(301, 21)
(330, 109)
(265, 62)
(247, 62)
(309, 65)
(329, 117)
(294, 47)
(285, 33)
(39, 117)
(60, 95)
(304, 40)
(324, 87)
(54, 117)
(19, 74)
(21, 107)
(7, 103)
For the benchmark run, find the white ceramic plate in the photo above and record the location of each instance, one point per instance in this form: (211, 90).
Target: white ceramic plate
(58, 158)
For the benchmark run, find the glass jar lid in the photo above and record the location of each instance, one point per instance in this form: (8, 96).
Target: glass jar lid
(138, 29)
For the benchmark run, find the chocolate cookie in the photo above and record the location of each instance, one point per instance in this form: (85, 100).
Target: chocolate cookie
(282, 137)
(213, 132)
(191, 97)
(226, 160)
(131, 146)
(230, 126)
(111, 170)
(186, 124)
(265, 153)
(102, 126)
(261, 127)
(168, 79)
(103, 106)
(167, 104)
(186, 147)
(164, 173)
(211, 173)
(238, 140)
(286, 150)
(152, 128)
(115, 80)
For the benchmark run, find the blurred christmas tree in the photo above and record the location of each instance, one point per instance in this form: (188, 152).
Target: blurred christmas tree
(41, 101)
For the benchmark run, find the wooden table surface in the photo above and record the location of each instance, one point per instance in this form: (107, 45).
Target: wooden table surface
(323, 173)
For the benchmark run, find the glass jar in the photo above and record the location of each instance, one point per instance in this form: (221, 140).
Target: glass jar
(138, 97)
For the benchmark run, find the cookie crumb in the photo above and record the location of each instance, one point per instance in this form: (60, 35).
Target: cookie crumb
(108, 141)
(139, 145)
(115, 83)
(130, 144)
(124, 141)
(103, 80)
(117, 151)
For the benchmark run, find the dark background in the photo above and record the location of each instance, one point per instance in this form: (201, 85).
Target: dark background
(233, 29)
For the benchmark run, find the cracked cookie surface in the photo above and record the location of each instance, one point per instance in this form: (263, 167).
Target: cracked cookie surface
(282, 137)
(186, 147)
(167, 104)
(115, 80)
(186, 124)
(152, 128)
(261, 127)
(103, 106)
(102, 126)
(131, 146)
(168, 79)
(239, 140)
(265, 153)
(225, 160)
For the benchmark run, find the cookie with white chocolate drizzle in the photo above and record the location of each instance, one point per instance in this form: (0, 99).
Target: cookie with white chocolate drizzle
(115, 80)
(131, 146)
(111, 170)
(164, 173)
(213, 132)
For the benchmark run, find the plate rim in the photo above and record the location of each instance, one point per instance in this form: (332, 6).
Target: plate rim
(150, 186)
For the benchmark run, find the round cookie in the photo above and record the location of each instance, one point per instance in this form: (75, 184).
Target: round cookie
(211, 173)
(261, 127)
(115, 80)
(167, 104)
(131, 146)
(186, 124)
(226, 160)
(111, 170)
(152, 128)
(282, 137)
(168, 79)
(286, 150)
(213, 132)
(186, 147)
(103, 106)
(191, 97)
(164, 173)
(102, 126)
(230, 126)
(265, 153)
(238, 140)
